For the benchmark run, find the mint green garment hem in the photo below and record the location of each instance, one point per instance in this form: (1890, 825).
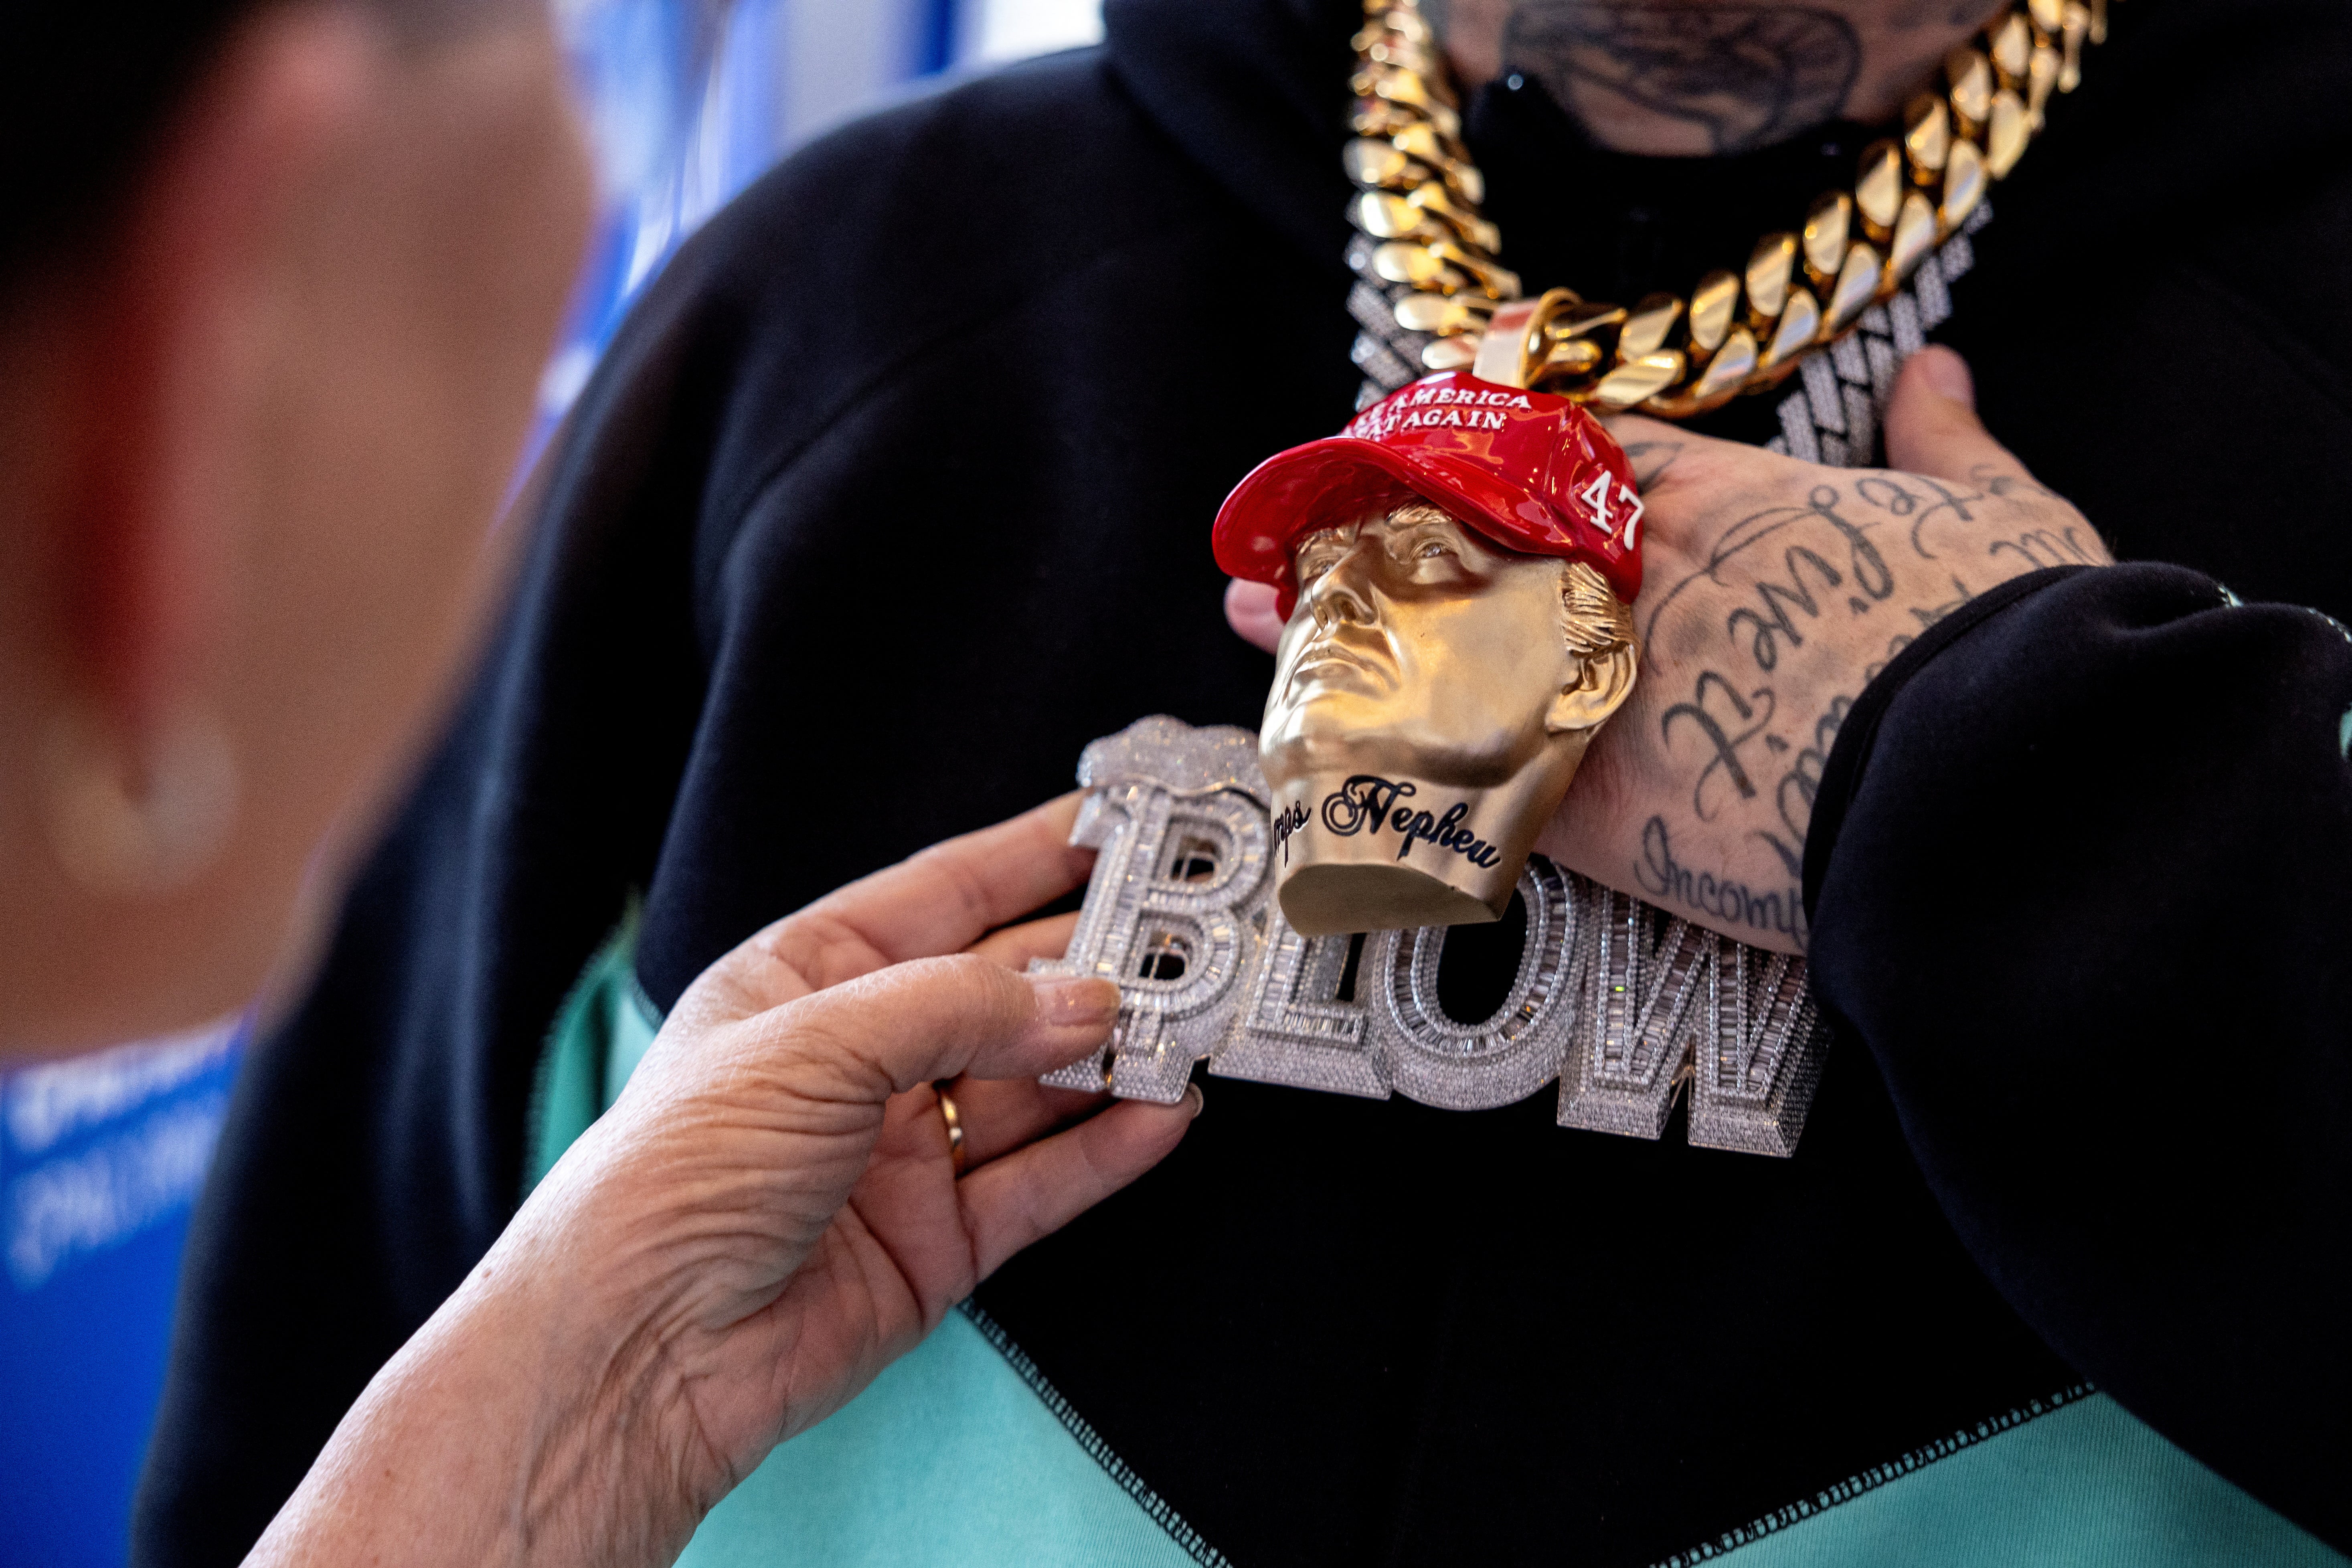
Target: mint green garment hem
(961, 1455)
(2085, 1485)
(951, 1457)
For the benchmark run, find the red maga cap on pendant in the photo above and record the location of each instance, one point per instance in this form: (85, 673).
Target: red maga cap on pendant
(1530, 471)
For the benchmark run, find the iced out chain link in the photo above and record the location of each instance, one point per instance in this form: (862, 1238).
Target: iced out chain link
(1429, 259)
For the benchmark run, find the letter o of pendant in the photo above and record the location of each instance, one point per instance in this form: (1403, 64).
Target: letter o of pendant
(1501, 1060)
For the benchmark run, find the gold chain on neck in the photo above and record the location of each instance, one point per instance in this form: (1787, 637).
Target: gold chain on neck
(1671, 355)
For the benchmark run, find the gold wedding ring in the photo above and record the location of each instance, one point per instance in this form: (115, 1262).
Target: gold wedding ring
(955, 1128)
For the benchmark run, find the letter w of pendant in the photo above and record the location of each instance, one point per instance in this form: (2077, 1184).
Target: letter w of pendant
(1648, 987)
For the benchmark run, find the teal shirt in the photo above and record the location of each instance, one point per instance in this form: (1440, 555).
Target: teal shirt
(960, 1455)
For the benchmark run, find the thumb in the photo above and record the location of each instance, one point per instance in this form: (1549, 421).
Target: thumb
(937, 1018)
(1931, 423)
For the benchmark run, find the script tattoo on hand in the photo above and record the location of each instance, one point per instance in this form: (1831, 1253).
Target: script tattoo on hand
(1793, 797)
(1775, 582)
(1754, 711)
(1745, 75)
(2039, 547)
(1665, 880)
(1865, 563)
(1650, 459)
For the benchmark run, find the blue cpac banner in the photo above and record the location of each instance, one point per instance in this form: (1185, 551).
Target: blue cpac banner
(100, 1156)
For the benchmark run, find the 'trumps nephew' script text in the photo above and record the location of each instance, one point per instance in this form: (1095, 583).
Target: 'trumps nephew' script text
(1368, 803)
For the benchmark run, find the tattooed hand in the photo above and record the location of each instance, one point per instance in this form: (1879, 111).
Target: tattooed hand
(1772, 592)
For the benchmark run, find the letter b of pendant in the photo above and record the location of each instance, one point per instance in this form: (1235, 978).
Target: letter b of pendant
(1179, 816)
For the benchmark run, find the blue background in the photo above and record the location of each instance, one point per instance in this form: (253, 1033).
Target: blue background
(93, 1211)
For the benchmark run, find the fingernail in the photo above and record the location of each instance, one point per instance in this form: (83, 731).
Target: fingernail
(1195, 1098)
(1074, 1000)
(1946, 374)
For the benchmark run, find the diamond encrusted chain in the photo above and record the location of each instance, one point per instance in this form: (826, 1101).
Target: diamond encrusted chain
(1429, 260)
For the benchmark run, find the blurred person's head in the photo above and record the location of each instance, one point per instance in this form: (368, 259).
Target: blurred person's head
(276, 282)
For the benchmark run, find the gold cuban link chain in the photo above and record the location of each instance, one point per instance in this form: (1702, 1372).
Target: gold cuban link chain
(1419, 197)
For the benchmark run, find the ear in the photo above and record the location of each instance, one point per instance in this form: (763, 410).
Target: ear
(1607, 681)
(130, 408)
(167, 403)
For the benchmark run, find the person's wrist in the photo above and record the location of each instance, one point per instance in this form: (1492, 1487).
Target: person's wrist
(512, 1428)
(613, 1470)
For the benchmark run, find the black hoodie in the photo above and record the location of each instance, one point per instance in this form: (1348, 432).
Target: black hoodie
(895, 491)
